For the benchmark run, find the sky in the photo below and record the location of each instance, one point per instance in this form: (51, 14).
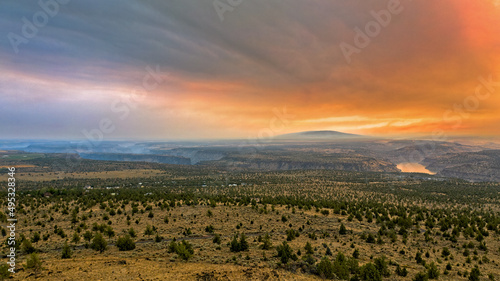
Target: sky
(204, 69)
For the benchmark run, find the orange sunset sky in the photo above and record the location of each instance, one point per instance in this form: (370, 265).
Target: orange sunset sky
(226, 77)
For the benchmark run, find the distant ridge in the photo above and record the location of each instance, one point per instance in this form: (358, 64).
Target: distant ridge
(319, 135)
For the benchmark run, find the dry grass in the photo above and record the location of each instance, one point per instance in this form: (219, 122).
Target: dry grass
(151, 261)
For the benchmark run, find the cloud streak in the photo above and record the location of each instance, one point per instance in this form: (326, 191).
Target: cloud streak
(222, 79)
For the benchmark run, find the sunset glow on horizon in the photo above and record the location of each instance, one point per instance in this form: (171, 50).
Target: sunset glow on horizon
(174, 70)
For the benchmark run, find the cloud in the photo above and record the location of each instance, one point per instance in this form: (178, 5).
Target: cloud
(225, 77)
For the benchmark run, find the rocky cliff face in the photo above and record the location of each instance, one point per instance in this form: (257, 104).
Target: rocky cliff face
(416, 151)
(474, 166)
(195, 155)
(137, 157)
(371, 165)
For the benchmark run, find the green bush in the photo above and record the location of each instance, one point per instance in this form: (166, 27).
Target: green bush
(355, 254)
(4, 271)
(432, 271)
(34, 263)
(27, 247)
(369, 272)
(370, 239)
(209, 229)
(325, 268)
(76, 238)
(401, 271)
(125, 243)
(421, 276)
(266, 243)
(66, 251)
(342, 230)
(217, 239)
(341, 267)
(158, 238)
(132, 232)
(36, 237)
(238, 246)
(309, 249)
(99, 243)
(88, 236)
(149, 230)
(445, 252)
(474, 274)
(183, 249)
(285, 253)
(382, 266)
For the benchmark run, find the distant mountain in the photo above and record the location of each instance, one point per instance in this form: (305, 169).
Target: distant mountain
(319, 135)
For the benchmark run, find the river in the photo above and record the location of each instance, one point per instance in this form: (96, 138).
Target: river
(414, 168)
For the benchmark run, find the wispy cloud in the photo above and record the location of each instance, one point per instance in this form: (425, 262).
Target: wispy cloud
(224, 78)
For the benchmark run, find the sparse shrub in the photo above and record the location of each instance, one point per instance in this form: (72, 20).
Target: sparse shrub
(382, 266)
(325, 268)
(149, 230)
(401, 271)
(125, 243)
(34, 263)
(355, 254)
(291, 234)
(266, 242)
(369, 272)
(99, 243)
(36, 237)
(432, 271)
(285, 253)
(328, 251)
(343, 229)
(309, 249)
(216, 239)
(158, 238)
(109, 231)
(132, 233)
(186, 232)
(209, 229)
(183, 249)
(445, 252)
(4, 271)
(88, 236)
(76, 238)
(27, 247)
(66, 251)
(238, 246)
(370, 238)
(474, 274)
(421, 276)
